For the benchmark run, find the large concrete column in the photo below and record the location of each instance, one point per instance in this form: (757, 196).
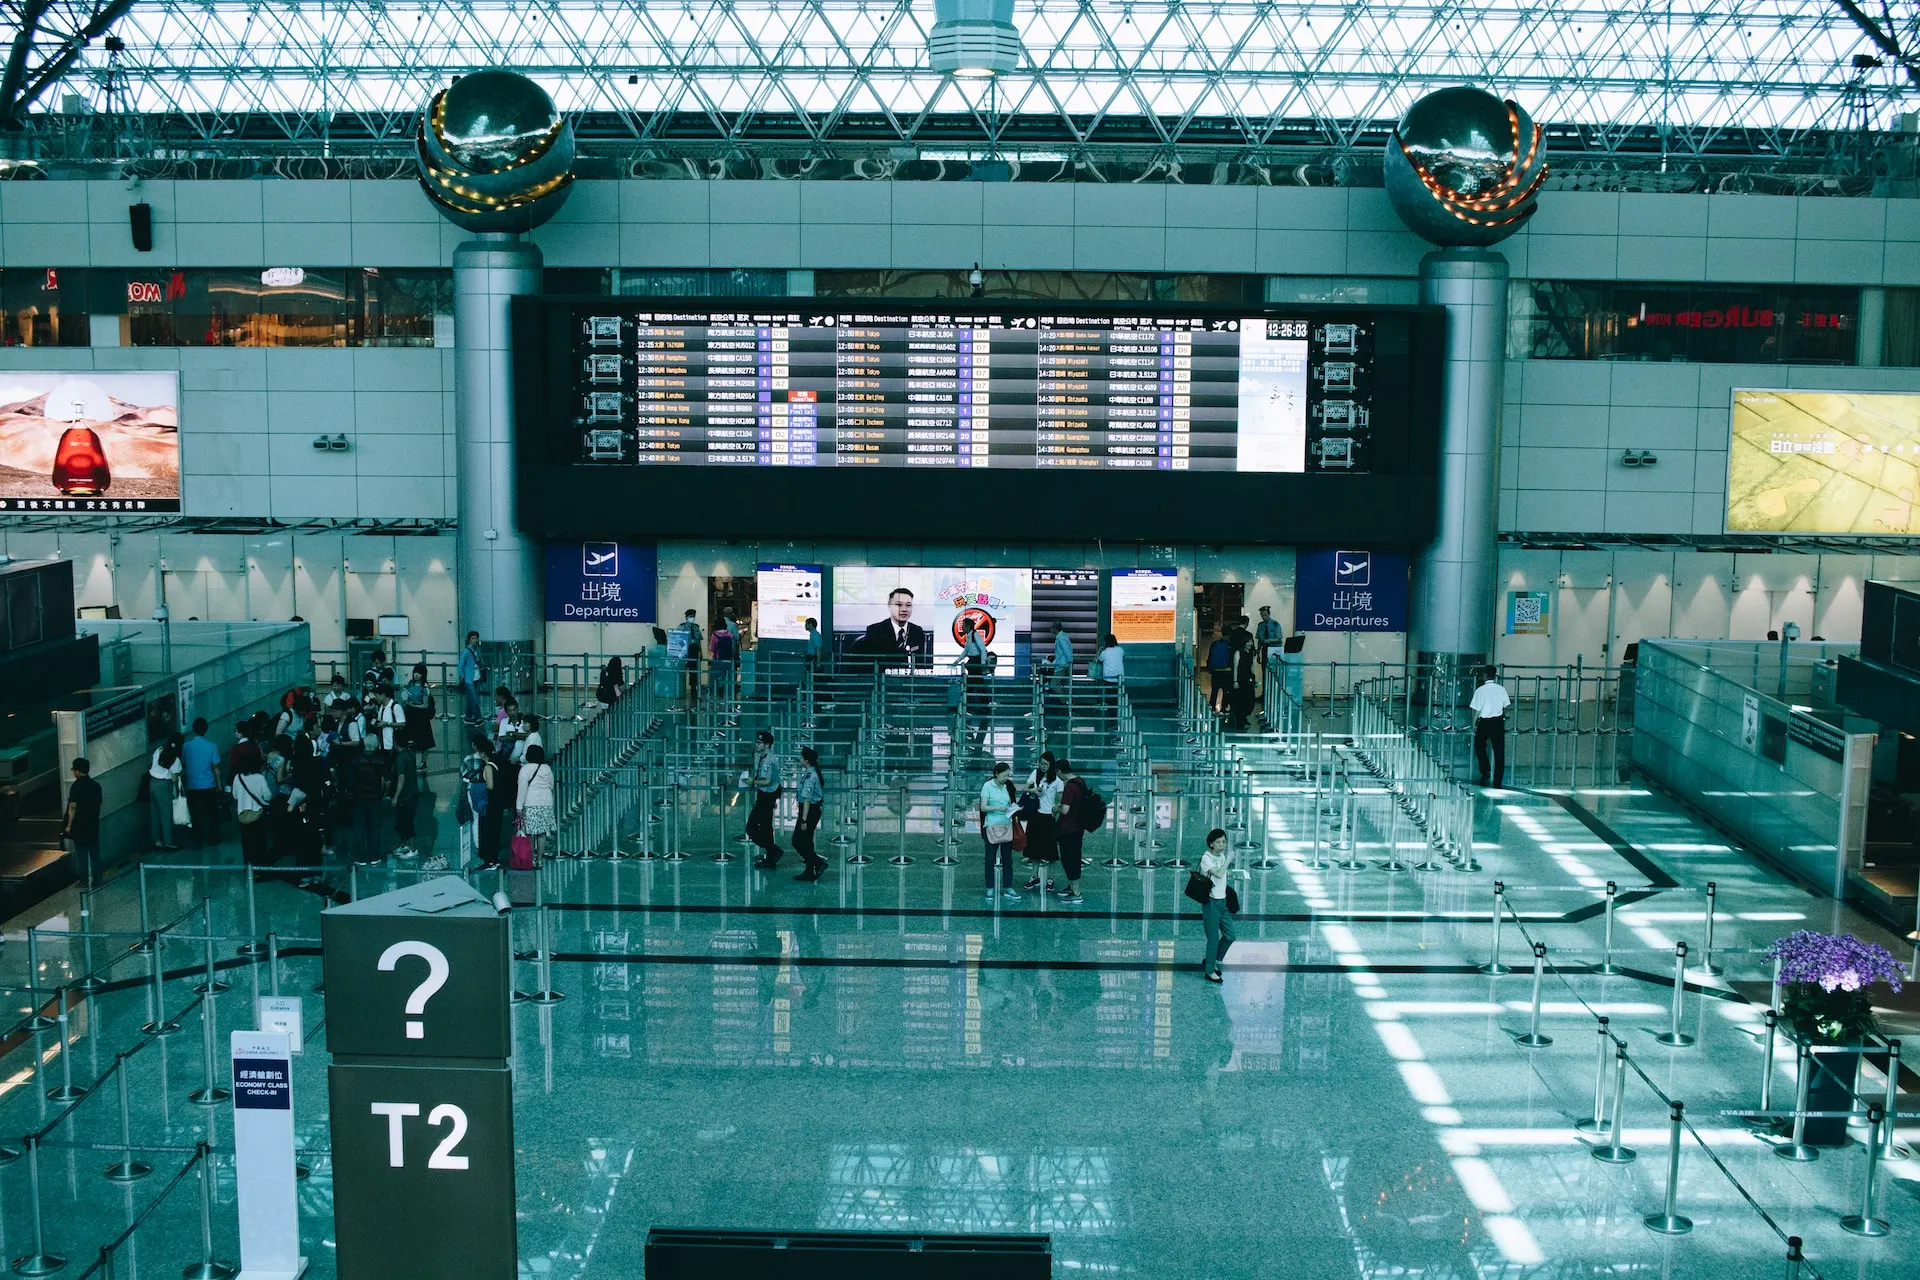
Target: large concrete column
(1453, 579)
(499, 568)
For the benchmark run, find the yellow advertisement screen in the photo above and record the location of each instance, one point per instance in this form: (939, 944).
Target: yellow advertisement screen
(1824, 462)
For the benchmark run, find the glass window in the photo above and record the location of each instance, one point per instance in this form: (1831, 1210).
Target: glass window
(703, 282)
(43, 307)
(1706, 323)
(396, 307)
(273, 306)
(1050, 286)
(1903, 327)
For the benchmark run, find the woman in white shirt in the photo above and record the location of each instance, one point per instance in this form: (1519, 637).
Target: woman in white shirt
(1041, 825)
(252, 793)
(534, 802)
(1113, 662)
(163, 783)
(1216, 864)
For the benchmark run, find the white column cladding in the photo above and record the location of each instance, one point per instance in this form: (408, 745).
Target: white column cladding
(499, 568)
(1453, 578)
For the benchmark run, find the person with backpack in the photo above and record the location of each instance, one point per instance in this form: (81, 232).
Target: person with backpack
(721, 646)
(690, 628)
(1220, 672)
(811, 793)
(478, 781)
(1071, 819)
(997, 799)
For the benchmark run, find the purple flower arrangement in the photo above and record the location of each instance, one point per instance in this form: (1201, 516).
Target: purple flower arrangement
(1828, 976)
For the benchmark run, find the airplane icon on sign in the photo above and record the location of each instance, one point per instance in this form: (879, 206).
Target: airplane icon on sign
(1352, 568)
(600, 559)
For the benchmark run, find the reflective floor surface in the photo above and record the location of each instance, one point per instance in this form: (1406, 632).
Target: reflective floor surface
(886, 1050)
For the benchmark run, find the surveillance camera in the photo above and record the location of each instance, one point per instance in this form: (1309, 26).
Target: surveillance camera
(502, 904)
(1647, 459)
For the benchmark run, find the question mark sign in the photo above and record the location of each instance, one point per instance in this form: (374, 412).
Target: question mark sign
(437, 970)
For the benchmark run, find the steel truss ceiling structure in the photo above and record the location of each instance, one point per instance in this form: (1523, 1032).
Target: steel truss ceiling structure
(1237, 74)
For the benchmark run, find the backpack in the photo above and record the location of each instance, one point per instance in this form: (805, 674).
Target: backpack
(723, 646)
(1091, 811)
(1218, 655)
(473, 794)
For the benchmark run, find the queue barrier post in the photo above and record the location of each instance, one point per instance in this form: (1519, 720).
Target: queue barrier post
(39, 1262)
(1598, 1123)
(126, 1169)
(1493, 965)
(1797, 1149)
(209, 1093)
(1864, 1223)
(1615, 1152)
(1668, 1221)
(207, 1268)
(1891, 1148)
(67, 1090)
(1673, 1037)
(1607, 965)
(1533, 1039)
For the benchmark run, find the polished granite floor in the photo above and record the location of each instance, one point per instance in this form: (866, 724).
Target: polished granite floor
(886, 1051)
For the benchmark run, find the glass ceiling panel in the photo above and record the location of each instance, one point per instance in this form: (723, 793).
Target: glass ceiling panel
(1764, 64)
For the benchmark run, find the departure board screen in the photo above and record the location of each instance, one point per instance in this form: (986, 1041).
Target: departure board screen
(849, 388)
(638, 388)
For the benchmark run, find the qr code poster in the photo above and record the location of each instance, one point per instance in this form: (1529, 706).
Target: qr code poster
(1527, 614)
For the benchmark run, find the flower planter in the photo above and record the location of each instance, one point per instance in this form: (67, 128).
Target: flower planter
(1831, 1089)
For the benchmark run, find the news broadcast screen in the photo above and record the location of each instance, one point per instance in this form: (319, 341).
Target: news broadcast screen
(822, 417)
(90, 442)
(1832, 462)
(901, 617)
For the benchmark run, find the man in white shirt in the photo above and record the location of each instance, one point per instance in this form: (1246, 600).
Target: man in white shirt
(1490, 703)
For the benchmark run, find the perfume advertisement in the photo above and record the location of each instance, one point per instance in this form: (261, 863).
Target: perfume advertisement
(90, 442)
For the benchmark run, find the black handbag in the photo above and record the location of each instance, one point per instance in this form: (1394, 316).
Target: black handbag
(1200, 889)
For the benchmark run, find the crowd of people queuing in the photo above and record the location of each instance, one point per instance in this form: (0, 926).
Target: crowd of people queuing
(340, 771)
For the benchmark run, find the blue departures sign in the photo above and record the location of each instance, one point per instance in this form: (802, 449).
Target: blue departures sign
(601, 581)
(1340, 590)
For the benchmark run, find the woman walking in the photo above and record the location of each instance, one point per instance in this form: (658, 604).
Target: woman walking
(811, 792)
(1216, 864)
(163, 782)
(997, 799)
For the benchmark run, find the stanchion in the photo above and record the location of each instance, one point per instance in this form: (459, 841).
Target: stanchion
(946, 856)
(859, 857)
(1494, 966)
(1707, 966)
(1797, 1149)
(1891, 1148)
(146, 922)
(211, 984)
(89, 981)
(1533, 1039)
(1615, 1152)
(1673, 1037)
(722, 854)
(67, 1091)
(1606, 947)
(127, 1169)
(161, 1024)
(1766, 1074)
(1668, 1222)
(544, 994)
(251, 948)
(206, 1268)
(1864, 1223)
(39, 1262)
(1598, 1124)
(40, 1020)
(208, 1093)
(902, 858)
(1794, 1258)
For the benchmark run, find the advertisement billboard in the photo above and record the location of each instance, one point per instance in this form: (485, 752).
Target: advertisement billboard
(787, 595)
(1143, 605)
(89, 442)
(882, 612)
(1833, 462)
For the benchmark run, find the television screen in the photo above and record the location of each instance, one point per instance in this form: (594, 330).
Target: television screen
(89, 442)
(915, 616)
(862, 417)
(1834, 462)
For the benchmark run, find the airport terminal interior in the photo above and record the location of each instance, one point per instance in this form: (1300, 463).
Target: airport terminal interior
(947, 638)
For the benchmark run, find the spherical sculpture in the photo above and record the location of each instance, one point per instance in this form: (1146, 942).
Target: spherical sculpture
(1464, 167)
(495, 154)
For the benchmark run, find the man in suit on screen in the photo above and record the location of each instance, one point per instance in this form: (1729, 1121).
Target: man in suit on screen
(896, 640)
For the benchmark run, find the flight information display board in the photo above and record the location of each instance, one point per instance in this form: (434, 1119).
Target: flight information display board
(620, 392)
(853, 388)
